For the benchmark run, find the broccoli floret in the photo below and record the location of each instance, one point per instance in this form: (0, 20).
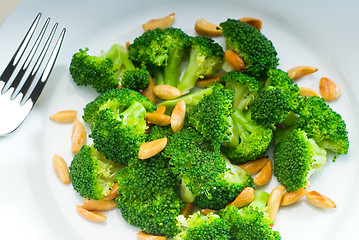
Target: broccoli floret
(204, 227)
(205, 60)
(250, 222)
(275, 100)
(245, 88)
(296, 158)
(207, 178)
(119, 135)
(255, 49)
(323, 124)
(148, 196)
(157, 132)
(117, 100)
(161, 51)
(100, 72)
(92, 174)
(135, 79)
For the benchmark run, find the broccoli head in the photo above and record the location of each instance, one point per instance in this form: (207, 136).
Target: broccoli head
(135, 79)
(157, 132)
(92, 174)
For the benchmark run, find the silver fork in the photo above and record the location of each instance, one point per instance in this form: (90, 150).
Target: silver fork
(18, 95)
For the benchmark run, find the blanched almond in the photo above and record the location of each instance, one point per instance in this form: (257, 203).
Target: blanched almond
(113, 193)
(99, 205)
(207, 211)
(301, 71)
(293, 196)
(78, 137)
(158, 119)
(148, 92)
(244, 198)
(254, 166)
(320, 200)
(233, 59)
(91, 215)
(274, 200)
(66, 116)
(161, 23)
(187, 210)
(307, 92)
(150, 149)
(264, 174)
(145, 236)
(328, 89)
(204, 82)
(254, 22)
(205, 28)
(167, 92)
(178, 115)
(61, 169)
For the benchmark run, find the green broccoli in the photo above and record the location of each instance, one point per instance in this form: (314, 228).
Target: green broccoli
(296, 158)
(117, 100)
(157, 132)
(205, 60)
(92, 174)
(135, 79)
(252, 221)
(206, 177)
(204, 227)
(148, 196)
(256, 51)
(161, 51)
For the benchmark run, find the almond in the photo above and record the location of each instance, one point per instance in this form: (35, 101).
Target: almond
(150, 149)
(328, 89)
(205, 28)
(234, 60)
(244, 198)
(301, 71)
(264, 175)
(254, 166)
(161, 23)
(319, 200)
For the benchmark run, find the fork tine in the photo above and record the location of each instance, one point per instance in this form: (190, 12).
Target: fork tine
(48, 68)
(5, 76)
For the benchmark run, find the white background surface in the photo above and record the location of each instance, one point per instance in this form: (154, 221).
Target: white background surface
(35, 205)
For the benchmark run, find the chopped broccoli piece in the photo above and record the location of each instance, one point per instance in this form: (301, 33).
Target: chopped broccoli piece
(157, 132)
(92, 174)
(135, 79)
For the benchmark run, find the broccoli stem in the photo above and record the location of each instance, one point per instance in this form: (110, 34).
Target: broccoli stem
(114, 53)
(241, 128)
(260, 200)
(124, 58)
(159, 76)
(172, 71)
(191, 74)
(135, 110)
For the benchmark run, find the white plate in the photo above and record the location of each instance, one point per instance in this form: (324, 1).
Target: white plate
(300, 37)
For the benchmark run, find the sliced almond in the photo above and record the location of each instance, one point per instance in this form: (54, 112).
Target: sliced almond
(205, 28)
(234, 60)
(293, 196)
(301, 71)
(113, 193)
(148, 92)
(161, 23)
(254, 22)
(187, 210)
(99, 205)
(254, 166)
(204, 82)
(244, 198)
(264, 175)
(307, 92)
(328, 89)
(167, 92)
(66, 116)
(150, 149)
(319, 200)
(207, 211)
(91, 215)
(161, 109)
(61, 169)
(146, 236)
(274, 201)
(78, 137)
(178, 116)
(158, 119)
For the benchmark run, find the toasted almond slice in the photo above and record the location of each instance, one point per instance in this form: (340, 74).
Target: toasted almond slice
(145, 236)
(244, 198)
(207, 211)
(254, 166)
(233, 59)
(150, 149)
(148, 92)
(204, 82)
(274, 200)
(187, 210)
(254, 22)
(293, 196)
(66, 116)
(161, 23)
(161, 109)
(320, 200)
(99, 205)
(328, 89)
(205, 28)
(78, 137)
(307, 92)
(301, 71)
(158, 119)
(61, 169)
(113, 193)
(91, 215)
(264, 174)
(178, 115)
(167, 92)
